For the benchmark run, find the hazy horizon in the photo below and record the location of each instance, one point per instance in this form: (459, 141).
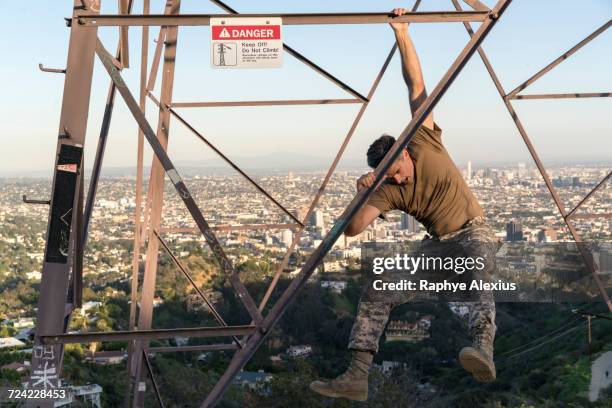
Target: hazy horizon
(267, 164)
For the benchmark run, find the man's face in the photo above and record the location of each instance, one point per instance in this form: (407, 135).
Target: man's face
(402, 171)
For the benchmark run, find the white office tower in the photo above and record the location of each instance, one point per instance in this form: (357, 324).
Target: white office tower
(316, 219)
(287, 237)
(522, 171)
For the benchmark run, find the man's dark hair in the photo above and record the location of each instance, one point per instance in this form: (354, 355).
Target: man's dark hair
(379, 149)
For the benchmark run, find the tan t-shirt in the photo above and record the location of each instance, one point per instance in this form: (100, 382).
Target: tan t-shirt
(437, 196)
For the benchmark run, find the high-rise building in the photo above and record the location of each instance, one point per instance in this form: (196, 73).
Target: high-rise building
(290, 181)
(287, 237)
(510, 231)
(605, 259)
(468, 173)
(409, 223)
(514, 232)
(316, 219)
(518, 232)
(522, 171)
(566, 181)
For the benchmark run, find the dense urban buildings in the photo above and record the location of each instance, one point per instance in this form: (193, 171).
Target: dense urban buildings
(514, 198)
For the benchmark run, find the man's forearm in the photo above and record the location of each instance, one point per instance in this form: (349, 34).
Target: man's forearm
(411, 68)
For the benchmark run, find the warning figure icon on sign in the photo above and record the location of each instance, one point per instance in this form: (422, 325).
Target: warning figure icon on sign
(224, 33)
(225, 54)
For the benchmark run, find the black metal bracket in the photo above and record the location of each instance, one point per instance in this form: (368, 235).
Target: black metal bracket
(53, 70)
(27, 201)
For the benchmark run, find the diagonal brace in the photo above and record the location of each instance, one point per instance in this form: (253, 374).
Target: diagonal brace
(589, 195)
(226, 159)
(155, 387)
(185, 272)
(179, 184)
(255, 340)
(559, 60)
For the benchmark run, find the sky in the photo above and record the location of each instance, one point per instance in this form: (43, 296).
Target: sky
(476, 126)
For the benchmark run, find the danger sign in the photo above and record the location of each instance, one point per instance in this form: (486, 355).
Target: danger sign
(253, 32)
(246, 42)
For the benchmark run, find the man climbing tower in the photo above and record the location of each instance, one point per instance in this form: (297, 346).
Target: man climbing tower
(425, 183)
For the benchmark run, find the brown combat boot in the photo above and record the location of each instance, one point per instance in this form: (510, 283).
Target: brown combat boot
(353, 383)
(478, 360)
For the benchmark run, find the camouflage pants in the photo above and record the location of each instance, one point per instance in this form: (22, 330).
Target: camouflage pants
(476, 238)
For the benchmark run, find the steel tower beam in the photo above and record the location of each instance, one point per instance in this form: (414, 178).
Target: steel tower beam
(288, 19)
(65, 212)
(156, 197)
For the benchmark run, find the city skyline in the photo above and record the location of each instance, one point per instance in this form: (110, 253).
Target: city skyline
(262, 165)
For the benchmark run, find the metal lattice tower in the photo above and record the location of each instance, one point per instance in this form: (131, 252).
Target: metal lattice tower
(70, 211)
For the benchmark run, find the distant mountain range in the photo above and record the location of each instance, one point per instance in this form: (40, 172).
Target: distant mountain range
(276, 161)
